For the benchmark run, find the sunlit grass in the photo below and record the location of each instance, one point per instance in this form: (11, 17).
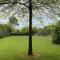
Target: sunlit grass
(12, 47)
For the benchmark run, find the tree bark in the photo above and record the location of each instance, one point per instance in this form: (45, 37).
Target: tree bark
(30, 28)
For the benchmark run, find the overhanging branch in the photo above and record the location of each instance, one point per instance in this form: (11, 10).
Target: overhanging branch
(14, 3)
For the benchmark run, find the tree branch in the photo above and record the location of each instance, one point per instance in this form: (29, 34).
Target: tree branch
(14, 3)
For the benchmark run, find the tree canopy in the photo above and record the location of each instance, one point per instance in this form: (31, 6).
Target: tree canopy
(41, 8)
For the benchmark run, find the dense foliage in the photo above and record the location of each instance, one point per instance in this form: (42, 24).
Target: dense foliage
(7, 30)
(4, 30)
(56, 36)
(47, 30)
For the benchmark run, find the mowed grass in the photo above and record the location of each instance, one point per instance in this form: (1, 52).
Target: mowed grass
(13, 47)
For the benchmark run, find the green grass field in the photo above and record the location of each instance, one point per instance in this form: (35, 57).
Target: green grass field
(12, 47)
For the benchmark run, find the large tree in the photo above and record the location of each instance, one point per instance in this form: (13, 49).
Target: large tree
(25, 6)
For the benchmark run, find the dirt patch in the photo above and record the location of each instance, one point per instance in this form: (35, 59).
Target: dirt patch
(26, 56)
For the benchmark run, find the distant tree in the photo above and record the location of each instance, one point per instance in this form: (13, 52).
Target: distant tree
(25, 31)
(13, 21)
(47, 30)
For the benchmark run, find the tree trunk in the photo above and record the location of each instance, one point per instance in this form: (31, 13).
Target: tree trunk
(30, 28)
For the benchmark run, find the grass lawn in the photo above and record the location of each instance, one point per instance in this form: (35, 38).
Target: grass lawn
(12, 47)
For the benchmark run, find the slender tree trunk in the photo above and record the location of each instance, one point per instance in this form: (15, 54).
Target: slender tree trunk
(30, 28)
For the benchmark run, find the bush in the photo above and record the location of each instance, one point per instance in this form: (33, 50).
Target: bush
(56, 35)
(4, 31)
(25, 31)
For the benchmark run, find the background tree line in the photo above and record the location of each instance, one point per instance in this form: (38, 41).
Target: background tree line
(9, 29)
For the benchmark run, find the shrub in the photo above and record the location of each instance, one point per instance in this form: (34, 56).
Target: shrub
(56, 35)
(4, 31)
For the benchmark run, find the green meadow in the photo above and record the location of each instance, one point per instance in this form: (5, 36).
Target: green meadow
(13, 48)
